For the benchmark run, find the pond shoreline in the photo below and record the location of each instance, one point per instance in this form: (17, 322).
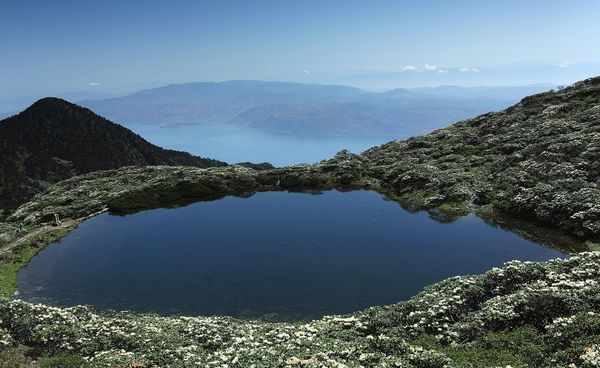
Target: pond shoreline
(289, 256)
(79, 198)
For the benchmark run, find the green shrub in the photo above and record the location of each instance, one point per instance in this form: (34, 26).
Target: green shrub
(520, 347)
(62, 360)
(13, 358)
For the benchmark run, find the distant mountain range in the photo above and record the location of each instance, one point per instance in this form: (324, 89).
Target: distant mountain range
(415, 75)
(497, 93)
(211, 103)
(53, 140)
(307, 109)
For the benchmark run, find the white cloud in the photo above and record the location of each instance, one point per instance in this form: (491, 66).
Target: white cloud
(431, 66)
(93, 84)
(565, 64)
(466, 69)
(441, 71)
(409, 68)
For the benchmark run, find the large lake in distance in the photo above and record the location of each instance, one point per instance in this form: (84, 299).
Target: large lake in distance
(235, 144)
(275, 255)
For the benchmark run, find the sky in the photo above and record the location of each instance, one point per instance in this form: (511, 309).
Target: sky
(115, 45)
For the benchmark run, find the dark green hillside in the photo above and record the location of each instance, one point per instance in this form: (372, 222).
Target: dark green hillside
(53, 140)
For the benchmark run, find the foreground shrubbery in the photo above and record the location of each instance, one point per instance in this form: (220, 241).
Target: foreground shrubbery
(523, 314)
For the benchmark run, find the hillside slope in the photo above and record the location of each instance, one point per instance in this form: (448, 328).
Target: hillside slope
(385, 115)
(539, 159)
(54, 139)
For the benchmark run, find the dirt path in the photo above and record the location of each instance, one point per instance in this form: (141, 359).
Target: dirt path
(68, 224)
(10, 246)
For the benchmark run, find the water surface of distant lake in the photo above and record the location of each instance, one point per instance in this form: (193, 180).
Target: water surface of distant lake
(234, 144)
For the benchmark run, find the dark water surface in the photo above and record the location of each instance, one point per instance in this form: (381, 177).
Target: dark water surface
(288, 255)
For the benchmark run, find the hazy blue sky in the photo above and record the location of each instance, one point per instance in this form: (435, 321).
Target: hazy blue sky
(77, 45)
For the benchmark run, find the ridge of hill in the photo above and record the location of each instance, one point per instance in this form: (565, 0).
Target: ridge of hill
(53, 140)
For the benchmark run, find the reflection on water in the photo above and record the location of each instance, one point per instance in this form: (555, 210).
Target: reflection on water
(278, 254)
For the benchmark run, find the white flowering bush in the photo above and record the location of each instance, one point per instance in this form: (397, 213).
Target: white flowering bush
(576, 338)
(6, 339)
(591, 356)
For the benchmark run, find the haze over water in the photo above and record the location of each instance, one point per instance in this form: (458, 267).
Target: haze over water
(235, 144)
